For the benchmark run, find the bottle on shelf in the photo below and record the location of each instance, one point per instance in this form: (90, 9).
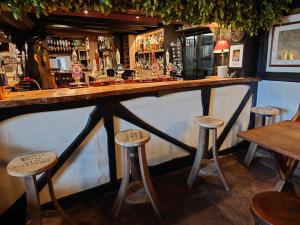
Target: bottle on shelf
(153, 42)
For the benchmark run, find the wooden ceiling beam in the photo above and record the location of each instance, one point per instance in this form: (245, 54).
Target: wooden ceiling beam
(88, 26)
(113, 16)
(24, 24)
(74, 33)
(74, 21)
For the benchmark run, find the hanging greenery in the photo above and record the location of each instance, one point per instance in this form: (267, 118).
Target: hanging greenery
(249, 15)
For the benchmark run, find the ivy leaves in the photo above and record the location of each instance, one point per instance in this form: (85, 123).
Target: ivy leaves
(250, 15)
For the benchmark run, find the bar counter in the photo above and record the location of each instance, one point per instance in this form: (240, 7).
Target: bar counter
(79, 125)
(82, 94)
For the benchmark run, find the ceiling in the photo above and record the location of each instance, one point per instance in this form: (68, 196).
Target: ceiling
(80, 24)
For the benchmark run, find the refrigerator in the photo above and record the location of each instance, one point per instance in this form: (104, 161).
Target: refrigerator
(198, 56)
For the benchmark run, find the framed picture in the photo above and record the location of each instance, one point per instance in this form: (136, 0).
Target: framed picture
(236, 56)
(284, 46)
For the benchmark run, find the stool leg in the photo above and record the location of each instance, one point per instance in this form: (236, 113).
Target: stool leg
(198, 158)
(253, 147)
(64, 215)
(147, 181)
(134, 164)
(124, 185)
(33, 201)
(270, 120)
(250, 154)
(252, 221)
(215, 155)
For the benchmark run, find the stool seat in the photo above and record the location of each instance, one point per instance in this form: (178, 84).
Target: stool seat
(31, 164)
(132, 138)
(265, 111)
(275, 208)
(208, 122)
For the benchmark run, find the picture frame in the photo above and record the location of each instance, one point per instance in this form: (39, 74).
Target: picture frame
(236, 55)
(283, 53)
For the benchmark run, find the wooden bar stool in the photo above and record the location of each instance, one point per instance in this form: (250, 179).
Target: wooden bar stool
(206, 123)
(274, 208)
(133, 143)
(296, 117)
(29, 166)
(263, 116)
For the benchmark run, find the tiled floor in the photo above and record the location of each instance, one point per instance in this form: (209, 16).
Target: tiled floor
(206, 204)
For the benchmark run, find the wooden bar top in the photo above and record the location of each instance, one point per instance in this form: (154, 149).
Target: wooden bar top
(67, 95)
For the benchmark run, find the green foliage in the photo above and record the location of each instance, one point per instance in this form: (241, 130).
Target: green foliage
(249, 15)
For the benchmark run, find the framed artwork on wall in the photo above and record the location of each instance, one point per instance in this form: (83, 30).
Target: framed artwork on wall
(236, 56)
(284, 46)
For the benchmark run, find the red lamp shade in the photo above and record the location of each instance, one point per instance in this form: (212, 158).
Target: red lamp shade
(221, 46)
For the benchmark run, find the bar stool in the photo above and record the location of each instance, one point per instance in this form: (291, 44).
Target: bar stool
(29, 166)
(133, 147)
(274, 208)
(206, 123)
(263, 116)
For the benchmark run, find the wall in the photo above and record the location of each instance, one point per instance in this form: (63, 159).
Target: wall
(279, 89)
(88, 167)
(285, 95)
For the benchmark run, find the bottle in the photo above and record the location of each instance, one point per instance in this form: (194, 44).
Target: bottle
(153, 42)
(118, 57)
(149, 43)
(167, 57)
(54, 46)
(157, 42)
(143, 45)
(161, 41)
(62, 46)
(69, 47)
(49, 45)
(74, 56)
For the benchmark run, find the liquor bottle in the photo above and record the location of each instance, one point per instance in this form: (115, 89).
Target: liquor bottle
(149, 43)
(59, 50)
(69, 47)
(61, 46)
(161, 41)
(157, 41)
(167, 57)
(57, 47)
(49, 45)
(66, 46)
(153, 42)
(53, 46)
(139, 44)
(62, 50)
(143, 45)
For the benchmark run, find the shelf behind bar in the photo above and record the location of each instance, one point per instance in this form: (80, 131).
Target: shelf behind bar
(150, 51)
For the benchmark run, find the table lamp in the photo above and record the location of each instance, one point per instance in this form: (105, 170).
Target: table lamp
(221, 47)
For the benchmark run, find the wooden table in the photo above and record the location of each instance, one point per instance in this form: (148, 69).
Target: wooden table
(282, 139)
